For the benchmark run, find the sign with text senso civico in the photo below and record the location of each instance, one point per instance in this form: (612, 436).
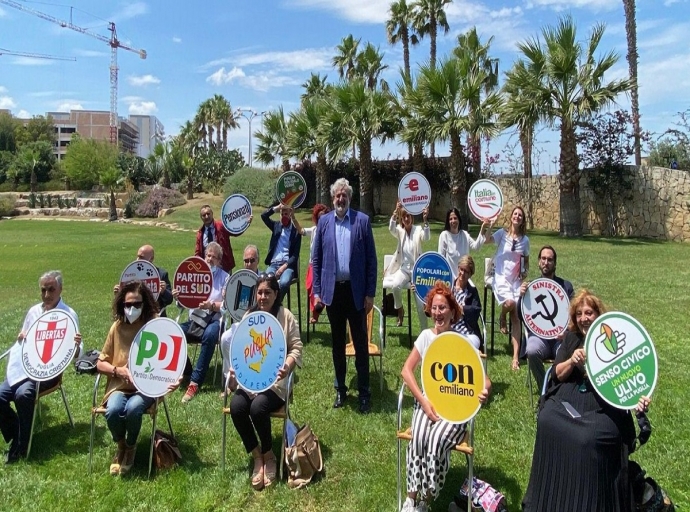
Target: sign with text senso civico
(194, 280)
(291, 189)
(414, 193)
(157, 356)
(621, 360)
(545, 307)
(49, 345)
(144, 271)
(429, 268)
(235, 214)
(485, 199)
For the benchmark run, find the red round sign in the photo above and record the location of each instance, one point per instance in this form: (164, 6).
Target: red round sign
(194, 280)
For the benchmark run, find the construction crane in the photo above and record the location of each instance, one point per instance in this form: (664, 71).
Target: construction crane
(3, 51)
(112, 41)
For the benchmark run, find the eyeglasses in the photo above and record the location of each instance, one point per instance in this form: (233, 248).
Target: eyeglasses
(249, 261)
(136, 304)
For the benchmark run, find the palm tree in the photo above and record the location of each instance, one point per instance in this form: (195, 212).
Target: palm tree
(428, 16)
(314, 87)
(568, 81)
(369, 65)
(399, 29)
(305, 139)
(346, 57)
(203, 123)
(221, 114)
(358, 115)
(413, 130)
(273, 142)
(111, 178)
(632, 57)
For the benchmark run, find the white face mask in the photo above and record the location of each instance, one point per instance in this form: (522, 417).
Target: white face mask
(132, 314)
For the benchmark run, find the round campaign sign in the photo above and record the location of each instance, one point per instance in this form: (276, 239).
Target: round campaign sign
(235, 214)
(453, 377)
(157, 356)
(429, 268)
(144, 271)
(239, 293)
(291, 189)
(194, 279)
(49, 345)
(485, 199)
(414, 193)
(545, 308)
(258, 351)
(621, 360)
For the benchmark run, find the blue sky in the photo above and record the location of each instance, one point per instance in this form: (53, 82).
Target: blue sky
(258, 53)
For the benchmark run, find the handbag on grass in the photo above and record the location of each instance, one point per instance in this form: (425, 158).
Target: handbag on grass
(166, 454)
(303, 457)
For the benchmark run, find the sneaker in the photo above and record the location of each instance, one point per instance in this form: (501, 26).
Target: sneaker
(408, 505)
(421, 507)
(192, 390)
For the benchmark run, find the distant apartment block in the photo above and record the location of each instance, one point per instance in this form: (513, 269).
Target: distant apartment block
(151, 132)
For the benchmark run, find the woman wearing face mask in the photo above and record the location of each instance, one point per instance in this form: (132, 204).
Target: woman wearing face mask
(251, 412)
(454, 242)
(133, 306)
(428, 454)
(581, 451)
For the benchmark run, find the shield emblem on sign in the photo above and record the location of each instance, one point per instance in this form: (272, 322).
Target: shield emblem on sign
(49, 338)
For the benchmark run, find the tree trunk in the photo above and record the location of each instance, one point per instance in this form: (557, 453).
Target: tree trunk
(418, 159)
(166, 178)
(322, 192)
(34, 180)
(632, 57)
(458, 182)
(190, 187)
(569, 184)
(285, 165)
(526, 145)
(477, 154)
(432, 65)
(366, 192)
(113, 209)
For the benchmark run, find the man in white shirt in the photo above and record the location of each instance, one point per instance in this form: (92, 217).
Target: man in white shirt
(18, 387)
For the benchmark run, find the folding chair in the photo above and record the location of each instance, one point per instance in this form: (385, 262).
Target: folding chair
(488, 273)
(195, 342)
(295, 280)
(282, 413)
(374, 349)
(97, 409)
(530, 375)
(387, 259)
(39, 395)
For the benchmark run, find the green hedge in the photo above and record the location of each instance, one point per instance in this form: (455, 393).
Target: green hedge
(257, 185)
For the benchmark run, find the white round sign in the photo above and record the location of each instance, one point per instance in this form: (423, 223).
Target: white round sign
(144, 271)
(235, 214)
(414, 193)
(49, 345)
(240, 291)
(545, 308)
(485, 199)
(157, 356)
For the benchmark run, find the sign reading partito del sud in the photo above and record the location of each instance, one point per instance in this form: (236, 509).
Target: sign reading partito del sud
(157, 356)
(621, 360)
(49, 345)
(194, 280)
(545, 307)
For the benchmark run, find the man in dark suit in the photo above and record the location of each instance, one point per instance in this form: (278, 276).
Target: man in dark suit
(213, 231)
(344, 269)
(165, 297)
(283, 249)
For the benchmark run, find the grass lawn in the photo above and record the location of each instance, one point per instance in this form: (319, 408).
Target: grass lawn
(645, 279)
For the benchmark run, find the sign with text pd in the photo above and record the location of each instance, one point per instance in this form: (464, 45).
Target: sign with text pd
(545, 308)
(453, 377)
(49, 345)
(485, 199)
(240, 291)
(235, 214)
(621, 360)
(414, 193)
(429, 268)
(194, 279)
(291, 189)
(258, 351)
(157, 356)
(144, 271)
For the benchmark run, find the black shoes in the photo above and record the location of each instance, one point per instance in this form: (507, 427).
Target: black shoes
(364, 405)
(15, 453)
(340, 399)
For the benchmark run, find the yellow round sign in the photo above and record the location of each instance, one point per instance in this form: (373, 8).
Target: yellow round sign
(453, 377)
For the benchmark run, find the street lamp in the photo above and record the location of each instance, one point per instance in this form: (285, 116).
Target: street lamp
(248, 114)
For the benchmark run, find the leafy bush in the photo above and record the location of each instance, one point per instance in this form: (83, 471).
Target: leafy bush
(257, 185)
(7, 204)
(41, 201)
(52, 185)
(157, 199)
(32, 200)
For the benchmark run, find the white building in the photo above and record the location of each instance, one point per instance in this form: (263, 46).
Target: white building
(151, 132)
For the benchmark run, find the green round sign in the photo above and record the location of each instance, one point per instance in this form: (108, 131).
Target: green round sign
(291, 189)
(621, 359)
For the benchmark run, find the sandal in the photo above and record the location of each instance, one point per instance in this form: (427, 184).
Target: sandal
(258, 476)
(515, 364)
(270, 471)
(119, 457)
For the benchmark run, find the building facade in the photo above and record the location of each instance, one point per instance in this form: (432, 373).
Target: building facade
(151, 132)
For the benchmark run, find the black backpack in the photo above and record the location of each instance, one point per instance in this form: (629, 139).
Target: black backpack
(86, 364)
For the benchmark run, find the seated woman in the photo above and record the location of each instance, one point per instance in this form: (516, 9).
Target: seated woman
(399, 273)
(467, 298)
(511, 266)
(580, 463)
(428, 454)
(251, 412)
(133, 306)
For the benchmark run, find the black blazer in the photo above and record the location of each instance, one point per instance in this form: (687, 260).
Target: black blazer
(472, 309)
(276, 229)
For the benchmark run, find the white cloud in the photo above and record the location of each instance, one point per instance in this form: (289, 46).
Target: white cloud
(176, 39)
(260, 81)
(3, 89)
(90, 53)
(308, 59)
(568, 5)
(673, 35)
(68, 105)
(142, 81)
(221, 77)
(143, 108)
(31, 61)
(23, 114)
(131, 11)
(665, 78)
(2, 13)
(7, 103)
(358, 11)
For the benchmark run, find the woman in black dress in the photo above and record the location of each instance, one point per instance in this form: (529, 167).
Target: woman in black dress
(580, 463)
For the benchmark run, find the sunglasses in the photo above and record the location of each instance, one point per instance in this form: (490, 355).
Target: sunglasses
(136, 304)
(249, 261)
(514, 244)
(266, 276)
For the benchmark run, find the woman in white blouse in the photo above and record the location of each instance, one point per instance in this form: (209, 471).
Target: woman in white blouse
(454, 242)
(399, 273)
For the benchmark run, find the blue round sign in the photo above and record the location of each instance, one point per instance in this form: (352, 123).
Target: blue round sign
(429, 268)
(258, 351)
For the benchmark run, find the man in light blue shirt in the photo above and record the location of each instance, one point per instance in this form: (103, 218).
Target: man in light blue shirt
(283, 249)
